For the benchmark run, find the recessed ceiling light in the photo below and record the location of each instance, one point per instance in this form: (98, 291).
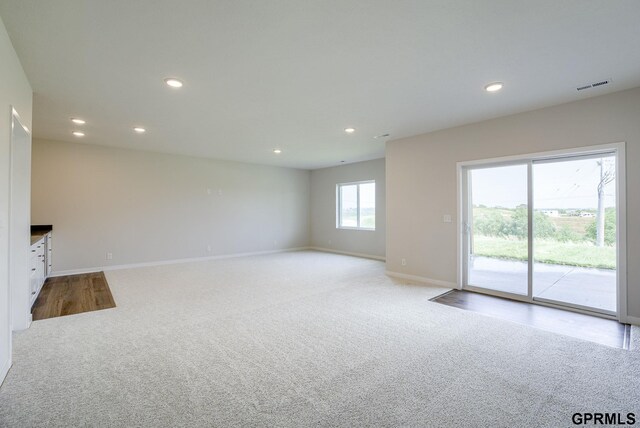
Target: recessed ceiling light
(77, 121)
(173, 82)
(78, 133)
(277, 151)
(349, 130)
(494, 87)
(139, 130)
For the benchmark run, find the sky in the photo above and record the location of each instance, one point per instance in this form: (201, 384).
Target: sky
(560, 185)
(367, 196)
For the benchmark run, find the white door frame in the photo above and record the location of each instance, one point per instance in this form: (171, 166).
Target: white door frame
(621, 219)
(20, 207)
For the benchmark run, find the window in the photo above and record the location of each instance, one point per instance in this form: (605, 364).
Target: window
(356, 205)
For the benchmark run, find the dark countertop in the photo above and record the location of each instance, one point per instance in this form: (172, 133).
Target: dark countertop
(38, 231)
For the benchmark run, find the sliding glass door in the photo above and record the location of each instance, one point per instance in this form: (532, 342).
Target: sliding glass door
(498, 228)
(575, 232)
(543, 229)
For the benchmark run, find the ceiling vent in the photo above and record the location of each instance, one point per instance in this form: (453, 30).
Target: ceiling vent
(593, 85)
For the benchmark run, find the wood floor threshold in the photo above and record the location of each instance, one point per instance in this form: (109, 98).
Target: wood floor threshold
(73, 294)
(583, 326)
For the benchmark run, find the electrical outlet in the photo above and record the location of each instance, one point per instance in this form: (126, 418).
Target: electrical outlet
(404, 262)
(329, 241)
(109, 256)
(219, 192)
(209, 248)
(208, 191)
(446, 218)
(275, 242)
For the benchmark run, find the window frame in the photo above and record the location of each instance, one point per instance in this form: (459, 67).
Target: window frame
(339, 205)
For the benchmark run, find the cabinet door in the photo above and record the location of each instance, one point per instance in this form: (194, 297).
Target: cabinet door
(40, 265)
(33, 277)
(48, 254)
(41, 260)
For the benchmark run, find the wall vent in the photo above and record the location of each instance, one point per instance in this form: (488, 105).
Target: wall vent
(593, 85)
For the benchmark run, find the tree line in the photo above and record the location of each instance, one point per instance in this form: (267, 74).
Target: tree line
(493, 222)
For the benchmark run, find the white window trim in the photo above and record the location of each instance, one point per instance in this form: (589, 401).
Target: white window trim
(339, 205)
(621, 212)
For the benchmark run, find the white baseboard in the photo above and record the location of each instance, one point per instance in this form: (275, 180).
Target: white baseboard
(4, 370)
(348, 253)
(422, 279)
(171, 262)
(632, 320)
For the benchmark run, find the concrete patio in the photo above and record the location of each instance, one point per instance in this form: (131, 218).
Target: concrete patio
(594, 288)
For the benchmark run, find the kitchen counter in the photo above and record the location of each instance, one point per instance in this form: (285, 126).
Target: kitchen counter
(39, 231)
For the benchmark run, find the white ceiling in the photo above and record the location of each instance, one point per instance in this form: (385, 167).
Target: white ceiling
(294, 73)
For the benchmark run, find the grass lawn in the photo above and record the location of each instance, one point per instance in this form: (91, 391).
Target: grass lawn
(368, 222)
(547, 251)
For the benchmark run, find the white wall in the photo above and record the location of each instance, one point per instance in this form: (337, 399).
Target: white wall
(421, 177)
(324, 233)
(14, 91)
(149, 207)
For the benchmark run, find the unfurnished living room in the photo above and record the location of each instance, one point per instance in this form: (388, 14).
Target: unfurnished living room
(294, 213)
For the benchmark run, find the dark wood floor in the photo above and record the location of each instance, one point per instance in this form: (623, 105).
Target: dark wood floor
(587, 327)
(73, 294)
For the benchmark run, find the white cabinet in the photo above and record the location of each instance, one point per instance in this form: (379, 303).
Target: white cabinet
(48, 254)
(40, 265)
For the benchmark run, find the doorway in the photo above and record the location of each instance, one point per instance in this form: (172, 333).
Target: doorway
(546, 228)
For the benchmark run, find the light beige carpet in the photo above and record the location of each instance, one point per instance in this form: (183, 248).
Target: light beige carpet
(634, 339)
(301, 339)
